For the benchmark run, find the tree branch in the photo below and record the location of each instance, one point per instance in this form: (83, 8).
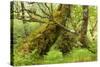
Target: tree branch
(48, 8)
(66, 28)
(51, 9)
(31, 19)
(29, 11)
(35, 20)
(43, 11)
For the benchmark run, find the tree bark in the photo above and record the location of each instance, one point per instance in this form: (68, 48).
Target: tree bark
(83, 34)
(45, 38)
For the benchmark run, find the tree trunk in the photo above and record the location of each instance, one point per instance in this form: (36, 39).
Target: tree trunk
(47, 34)
(83, 34)
(23, 19)
(64, 45)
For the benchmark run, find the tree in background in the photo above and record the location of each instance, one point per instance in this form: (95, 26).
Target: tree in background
(83, 34)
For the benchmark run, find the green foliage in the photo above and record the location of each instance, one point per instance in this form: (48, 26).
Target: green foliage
(76, 18)
(23, 60)
(75, 55)
(19, 30)
(54, 55)
(92, 16)
(47, 35)
(93, 45)
(28, 59)
(92, 29)
(80, 55)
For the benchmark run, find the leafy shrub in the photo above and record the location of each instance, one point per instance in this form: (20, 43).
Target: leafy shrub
(53, 56)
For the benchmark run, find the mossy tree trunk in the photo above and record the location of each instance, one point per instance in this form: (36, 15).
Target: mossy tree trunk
(45, 38)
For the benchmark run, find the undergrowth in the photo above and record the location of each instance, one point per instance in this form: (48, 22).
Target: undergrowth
(55, 56)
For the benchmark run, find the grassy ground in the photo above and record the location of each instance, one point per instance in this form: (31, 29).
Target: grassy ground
(76, 55)
(55, 56)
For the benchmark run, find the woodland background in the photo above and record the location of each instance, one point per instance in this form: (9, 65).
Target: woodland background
(46, 33)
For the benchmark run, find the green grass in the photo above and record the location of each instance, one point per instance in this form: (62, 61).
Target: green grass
(55, 56)
(80, 55)
(76, 55)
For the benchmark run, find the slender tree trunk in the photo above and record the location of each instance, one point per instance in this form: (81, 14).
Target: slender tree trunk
(23, 18)
(83, 34)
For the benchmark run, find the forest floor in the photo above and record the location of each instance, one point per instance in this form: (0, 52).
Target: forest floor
(75, 55)
(53, 56)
